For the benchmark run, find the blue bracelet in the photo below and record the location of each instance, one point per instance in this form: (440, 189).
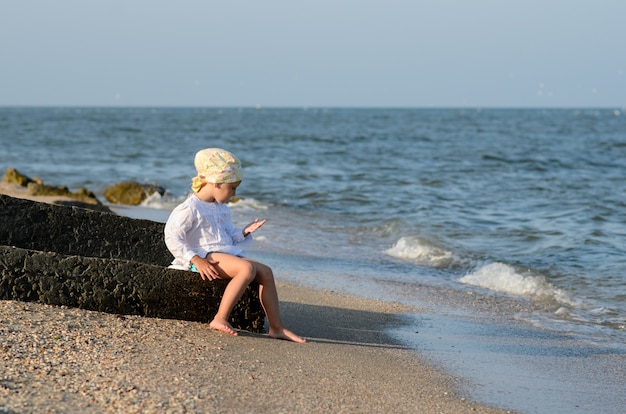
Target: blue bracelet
(193, 268)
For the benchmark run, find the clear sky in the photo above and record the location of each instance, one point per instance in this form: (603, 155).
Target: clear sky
(322, 53)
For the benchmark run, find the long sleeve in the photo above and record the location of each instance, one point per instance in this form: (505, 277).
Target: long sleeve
(236, 233)
(177, 228)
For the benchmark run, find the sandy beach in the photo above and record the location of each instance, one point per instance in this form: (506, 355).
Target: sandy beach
(63, 360)
(67, 360)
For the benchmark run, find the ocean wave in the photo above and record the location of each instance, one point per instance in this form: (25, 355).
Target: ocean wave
(569, 314)
(421, 251)
(163, 202)
(248, 204)
(168, 201)
(504, 278)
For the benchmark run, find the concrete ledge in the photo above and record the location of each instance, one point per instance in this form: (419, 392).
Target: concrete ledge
(99, 261)
(76, 231)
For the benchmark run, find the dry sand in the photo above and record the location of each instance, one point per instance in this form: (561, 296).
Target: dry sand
(69, 360)
(66, 360)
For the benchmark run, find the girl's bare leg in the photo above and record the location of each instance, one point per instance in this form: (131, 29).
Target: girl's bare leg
(269, 300)
(241, 273)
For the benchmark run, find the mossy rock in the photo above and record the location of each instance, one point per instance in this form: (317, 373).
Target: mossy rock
(130, 192)
(82, 194)
(13, 176)
(36, 187)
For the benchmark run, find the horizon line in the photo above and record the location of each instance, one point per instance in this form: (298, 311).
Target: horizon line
(303, 107)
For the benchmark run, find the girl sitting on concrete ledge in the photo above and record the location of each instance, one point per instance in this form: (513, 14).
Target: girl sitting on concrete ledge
(200, 235)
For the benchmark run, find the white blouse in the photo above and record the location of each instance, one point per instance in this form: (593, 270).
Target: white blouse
(198, 227)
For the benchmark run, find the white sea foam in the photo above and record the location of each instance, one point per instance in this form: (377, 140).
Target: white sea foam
(421, 251)
(504, 278)
(164, 202)
(249, 204)
(169, 202)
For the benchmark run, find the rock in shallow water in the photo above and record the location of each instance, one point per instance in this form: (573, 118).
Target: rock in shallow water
(130, 192)
(36, 187)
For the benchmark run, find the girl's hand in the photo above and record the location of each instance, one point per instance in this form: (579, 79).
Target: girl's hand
(254, 226)
(206, 267)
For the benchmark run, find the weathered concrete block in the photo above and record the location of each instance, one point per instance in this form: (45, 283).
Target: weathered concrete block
(118, 286)
(80, 232)
(98, 261)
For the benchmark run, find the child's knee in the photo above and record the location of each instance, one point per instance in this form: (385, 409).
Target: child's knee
(265, 274)
(249, 271)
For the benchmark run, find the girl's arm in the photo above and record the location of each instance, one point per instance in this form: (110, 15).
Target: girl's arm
(178, 225)
(241, 235)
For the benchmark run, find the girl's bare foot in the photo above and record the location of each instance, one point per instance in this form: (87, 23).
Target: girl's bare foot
(287, 335)
(222, 326)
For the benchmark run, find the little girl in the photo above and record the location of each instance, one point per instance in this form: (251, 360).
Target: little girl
(200, 235)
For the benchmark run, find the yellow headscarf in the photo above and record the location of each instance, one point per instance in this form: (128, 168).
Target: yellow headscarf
(215, 165)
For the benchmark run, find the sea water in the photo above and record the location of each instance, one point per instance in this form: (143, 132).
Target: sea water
(519, 205)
